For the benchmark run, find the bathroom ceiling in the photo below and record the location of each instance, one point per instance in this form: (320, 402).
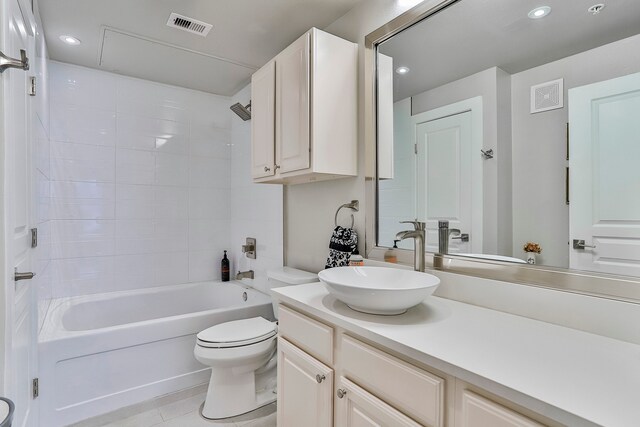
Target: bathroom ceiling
(474, 35)
(131, 37)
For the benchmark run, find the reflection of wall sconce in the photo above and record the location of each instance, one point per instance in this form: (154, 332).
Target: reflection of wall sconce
(488, 154)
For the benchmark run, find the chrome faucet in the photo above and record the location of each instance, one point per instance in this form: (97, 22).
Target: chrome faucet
(444, 232)
(418, 236)
(244, 275)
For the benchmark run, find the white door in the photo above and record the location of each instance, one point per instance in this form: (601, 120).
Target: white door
(292, 106)
(357, 408)
(19, 334)
(305, 389)
(445, 181)
(263, 119)
(604, 176)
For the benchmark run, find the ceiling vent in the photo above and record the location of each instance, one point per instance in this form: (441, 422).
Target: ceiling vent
(547, 96)
(189, 24)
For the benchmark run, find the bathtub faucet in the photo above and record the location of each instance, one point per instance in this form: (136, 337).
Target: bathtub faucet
(244, 275)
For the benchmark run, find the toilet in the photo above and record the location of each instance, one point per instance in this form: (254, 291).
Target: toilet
(242, 356)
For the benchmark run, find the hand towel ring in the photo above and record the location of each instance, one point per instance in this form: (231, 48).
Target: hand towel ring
(354, 206)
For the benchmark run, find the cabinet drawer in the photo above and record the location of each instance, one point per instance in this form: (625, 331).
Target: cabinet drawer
(412, 390)
(478, 411)
(310, 335)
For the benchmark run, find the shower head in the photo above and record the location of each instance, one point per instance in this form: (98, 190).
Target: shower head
(243, 112)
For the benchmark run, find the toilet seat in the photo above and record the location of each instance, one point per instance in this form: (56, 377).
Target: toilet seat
(237, 333)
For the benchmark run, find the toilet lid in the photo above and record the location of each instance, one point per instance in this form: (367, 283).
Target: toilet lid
(237, 333)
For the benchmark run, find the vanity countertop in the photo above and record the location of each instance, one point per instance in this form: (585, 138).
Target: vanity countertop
(575, 377)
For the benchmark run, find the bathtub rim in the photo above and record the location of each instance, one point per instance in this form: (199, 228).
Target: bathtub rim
(53, 328)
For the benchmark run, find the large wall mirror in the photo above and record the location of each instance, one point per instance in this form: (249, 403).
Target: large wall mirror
(518, 122)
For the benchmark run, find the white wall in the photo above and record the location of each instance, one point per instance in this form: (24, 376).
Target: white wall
(256, 209)
(309, 208)
(140, 182)
(540, 213)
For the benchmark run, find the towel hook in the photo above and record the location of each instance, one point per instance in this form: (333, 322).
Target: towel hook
(354, 206)
(488, 154)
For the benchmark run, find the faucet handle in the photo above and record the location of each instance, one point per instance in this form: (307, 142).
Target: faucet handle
(417, 225)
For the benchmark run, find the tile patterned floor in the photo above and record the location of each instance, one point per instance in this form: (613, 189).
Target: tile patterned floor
(186, 413)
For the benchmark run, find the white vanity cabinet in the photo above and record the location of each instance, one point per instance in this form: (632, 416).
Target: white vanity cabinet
(305, 389)
(304, 112)
(371, 388)
(326, 377)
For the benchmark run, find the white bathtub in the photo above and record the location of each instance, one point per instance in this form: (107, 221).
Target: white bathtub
(101, 352)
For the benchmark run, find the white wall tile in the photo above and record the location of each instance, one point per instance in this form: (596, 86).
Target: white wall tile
(171, 203)
(172, 169)
(171, 268)
(42, 151)
(171, 235)
(209, 172)
(141, 180)
(84, 125)
(83, 190)
(79, 276)
(135, 166)
(210, 142)
(81, 86)
(82, 162)
(208, 234)
(153, 100)
(209, 203)
(256, 209)
(134, 271)
(205, 265)
(82, 209)
(143, 133)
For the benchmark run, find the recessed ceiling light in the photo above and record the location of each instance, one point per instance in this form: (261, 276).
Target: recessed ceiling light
(539, 12)
(402, 70)
(70, 40)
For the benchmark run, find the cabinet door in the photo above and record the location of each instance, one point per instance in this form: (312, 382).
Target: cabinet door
(357, 408)
(305, 389)
(476, 411)
(263, 115)
(292, 107)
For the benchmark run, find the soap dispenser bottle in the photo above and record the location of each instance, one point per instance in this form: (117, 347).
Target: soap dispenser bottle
(224, 268)
(356, 260)
(391, 255)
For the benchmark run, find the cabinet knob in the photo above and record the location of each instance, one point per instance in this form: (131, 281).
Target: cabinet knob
(277, 167)
(320, 378)
(267, 168)
(341, 393)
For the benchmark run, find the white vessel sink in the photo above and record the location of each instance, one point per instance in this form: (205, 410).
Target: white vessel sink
(378, 290)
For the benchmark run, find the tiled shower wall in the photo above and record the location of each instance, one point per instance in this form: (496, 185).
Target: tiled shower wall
(256, 209)
(140, 182)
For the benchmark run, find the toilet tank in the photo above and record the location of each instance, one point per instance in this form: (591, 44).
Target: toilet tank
(287, 276)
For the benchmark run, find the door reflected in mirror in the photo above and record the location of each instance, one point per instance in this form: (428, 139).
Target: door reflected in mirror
(522, 133)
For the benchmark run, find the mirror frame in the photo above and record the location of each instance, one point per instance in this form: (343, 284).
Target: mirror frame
(621, 288)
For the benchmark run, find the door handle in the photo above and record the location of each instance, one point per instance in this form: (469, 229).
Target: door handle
(8, 62)
(579, 244)
(23, 276)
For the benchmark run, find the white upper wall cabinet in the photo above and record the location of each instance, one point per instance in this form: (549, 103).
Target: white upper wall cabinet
(304, 112)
